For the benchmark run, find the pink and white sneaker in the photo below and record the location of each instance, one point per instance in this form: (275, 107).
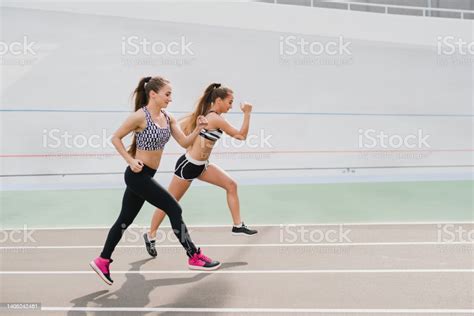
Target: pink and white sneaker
(101, 267)
(201, 262)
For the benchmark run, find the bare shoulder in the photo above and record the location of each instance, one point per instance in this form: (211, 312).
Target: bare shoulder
(214, 117)
(170, 115)
(138, 119)
(139, 113)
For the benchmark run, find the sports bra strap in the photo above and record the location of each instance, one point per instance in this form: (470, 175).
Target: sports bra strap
(166, 115)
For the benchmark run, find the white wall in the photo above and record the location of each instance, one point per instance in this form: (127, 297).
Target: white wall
(268, 17)
(394, 70)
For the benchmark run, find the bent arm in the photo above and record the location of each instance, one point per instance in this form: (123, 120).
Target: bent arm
(132, 123)
(183, 140)
(230, 130)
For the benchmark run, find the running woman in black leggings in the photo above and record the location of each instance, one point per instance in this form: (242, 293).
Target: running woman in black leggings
(152, 127)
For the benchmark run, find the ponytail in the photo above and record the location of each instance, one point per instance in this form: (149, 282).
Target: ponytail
(212, 92)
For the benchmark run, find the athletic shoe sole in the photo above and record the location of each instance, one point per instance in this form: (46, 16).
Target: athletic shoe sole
(243, 234)
(97, 270)
(204, 268)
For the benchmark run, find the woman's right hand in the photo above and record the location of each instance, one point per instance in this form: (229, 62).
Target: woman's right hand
(246, 107)
(136, 165)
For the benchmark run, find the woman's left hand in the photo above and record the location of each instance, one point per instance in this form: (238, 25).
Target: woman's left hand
(201, 122)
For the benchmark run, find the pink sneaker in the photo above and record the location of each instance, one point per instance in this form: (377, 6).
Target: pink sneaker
(201, 262)
(101, 267)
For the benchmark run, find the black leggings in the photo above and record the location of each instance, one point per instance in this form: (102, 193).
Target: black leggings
(142, 187)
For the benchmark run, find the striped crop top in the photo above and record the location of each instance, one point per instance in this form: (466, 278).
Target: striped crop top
(211, 134)
(153, 137)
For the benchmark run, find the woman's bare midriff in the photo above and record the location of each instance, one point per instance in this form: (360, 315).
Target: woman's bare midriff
(150, 158)
(201, 149)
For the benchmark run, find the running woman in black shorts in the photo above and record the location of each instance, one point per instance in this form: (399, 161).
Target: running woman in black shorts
(215, 101)
(153, 127)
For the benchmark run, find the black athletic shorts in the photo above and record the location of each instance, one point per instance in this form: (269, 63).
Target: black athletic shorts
(188, 168)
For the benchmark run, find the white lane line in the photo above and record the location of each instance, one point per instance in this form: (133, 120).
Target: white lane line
(263, 225)
(259, 310)
(414, 243)
(322, 271)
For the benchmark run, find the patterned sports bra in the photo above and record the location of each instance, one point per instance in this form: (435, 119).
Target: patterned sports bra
(153, 137)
